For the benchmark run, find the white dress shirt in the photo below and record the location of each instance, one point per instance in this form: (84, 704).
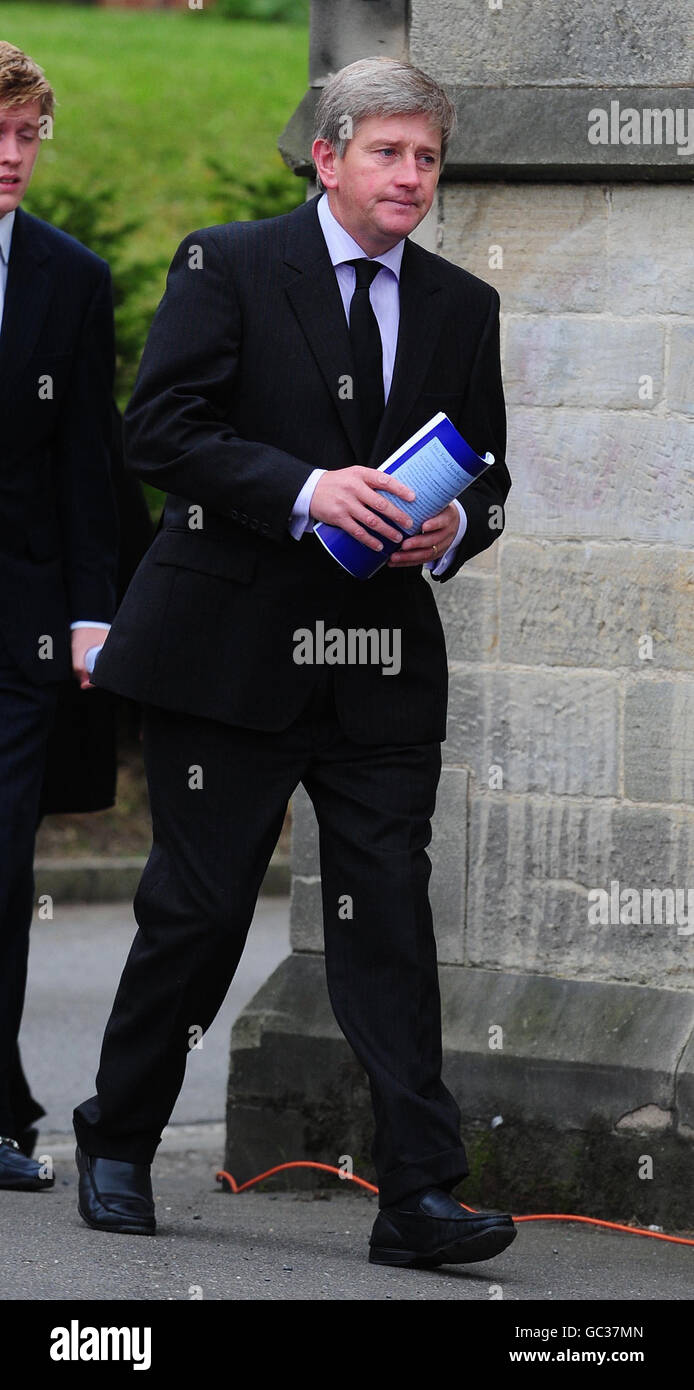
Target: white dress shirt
(385, 302)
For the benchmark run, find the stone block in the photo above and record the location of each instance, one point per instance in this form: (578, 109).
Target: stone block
(561, 43)
(579, 1063)
(536, 866)
(679, 387)
(549, 731)
(306, 914)
(612, 475)
(305, 860)
(573, 603)
(649, 259)
(468, 605)
(552, 238)
(603, 363)
(306, 908)
(659, 741)
(537, 1048)
(342, 33)
(531, 133)
(684, 1094)
(448, 854)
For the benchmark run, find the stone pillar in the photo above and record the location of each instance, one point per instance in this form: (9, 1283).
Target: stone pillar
(564, 832)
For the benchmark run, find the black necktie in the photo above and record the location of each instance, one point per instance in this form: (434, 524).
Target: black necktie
(367, 350)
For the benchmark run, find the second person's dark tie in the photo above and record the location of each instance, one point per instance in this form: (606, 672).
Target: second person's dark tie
(367, 350)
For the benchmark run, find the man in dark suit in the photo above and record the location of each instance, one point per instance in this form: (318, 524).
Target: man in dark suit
(57, 537)
(286, 360)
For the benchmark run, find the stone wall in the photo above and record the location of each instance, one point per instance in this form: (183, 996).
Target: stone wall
(572, 639)
(563, 43)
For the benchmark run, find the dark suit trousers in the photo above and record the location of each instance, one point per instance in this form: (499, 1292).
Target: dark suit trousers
(26, 713)
(211, 847)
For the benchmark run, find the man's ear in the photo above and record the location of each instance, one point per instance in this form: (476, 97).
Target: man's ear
(325, 160)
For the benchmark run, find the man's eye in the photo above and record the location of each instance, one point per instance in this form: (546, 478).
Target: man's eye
(388, 150)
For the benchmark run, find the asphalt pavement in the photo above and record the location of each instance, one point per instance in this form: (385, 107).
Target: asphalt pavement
(75, 963)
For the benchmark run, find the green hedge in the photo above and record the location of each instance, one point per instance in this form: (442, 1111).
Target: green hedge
(288, 11)
(90, 216)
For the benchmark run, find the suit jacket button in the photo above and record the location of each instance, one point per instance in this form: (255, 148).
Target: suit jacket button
(253, 523)
(234, 513)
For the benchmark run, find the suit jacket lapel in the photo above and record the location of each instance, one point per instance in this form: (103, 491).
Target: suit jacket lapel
(26, 295)
(316, 300)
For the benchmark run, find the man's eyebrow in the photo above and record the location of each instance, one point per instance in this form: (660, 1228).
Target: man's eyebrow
(378, 143)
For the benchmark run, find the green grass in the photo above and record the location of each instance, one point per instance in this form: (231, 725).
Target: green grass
(145, 97)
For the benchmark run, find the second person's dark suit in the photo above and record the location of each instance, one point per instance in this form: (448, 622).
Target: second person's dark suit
(58, 551)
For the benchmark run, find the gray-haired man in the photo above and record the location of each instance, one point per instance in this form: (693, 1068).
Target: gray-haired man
(239, 413)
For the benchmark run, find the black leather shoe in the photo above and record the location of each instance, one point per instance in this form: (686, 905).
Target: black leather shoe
(18, 1173)
(438, 1231)
(115, 1196)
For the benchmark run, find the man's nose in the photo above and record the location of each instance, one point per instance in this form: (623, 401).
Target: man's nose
(10, 152)
(408, 171)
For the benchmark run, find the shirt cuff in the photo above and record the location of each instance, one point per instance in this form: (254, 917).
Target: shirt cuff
(84, 622)
(441, 565)
(300, 520)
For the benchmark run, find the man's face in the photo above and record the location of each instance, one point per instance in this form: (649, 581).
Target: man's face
(19, 146)
(385, 183)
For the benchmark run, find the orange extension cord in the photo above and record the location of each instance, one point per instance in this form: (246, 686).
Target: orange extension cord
(229, 1181)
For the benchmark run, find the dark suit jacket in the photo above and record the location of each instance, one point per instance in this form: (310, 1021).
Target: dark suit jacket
(58, 538)
(236, 401)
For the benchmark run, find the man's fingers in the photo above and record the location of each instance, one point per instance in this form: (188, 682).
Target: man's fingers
(426, 542)
(362, 495)
(360, 534)
(357, 498)
(374, 478)
(361, 518)
(419, 556)
(401, 558)
(381, 504)
(81, 674)
(426, 546)
(376, 523)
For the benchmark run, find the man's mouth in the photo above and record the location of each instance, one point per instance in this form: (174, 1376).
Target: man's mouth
(8, 180)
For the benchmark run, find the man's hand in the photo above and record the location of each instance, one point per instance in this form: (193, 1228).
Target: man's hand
(431, 543)
(82, 639)
(347, 497)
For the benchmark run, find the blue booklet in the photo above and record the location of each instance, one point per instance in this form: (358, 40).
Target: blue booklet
(438, 465)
